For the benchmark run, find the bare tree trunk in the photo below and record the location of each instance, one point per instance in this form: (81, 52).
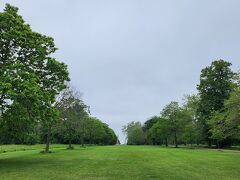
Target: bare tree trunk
(48, 139)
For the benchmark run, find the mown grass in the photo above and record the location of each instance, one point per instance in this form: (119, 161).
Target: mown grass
(121, 162)
(12, 148)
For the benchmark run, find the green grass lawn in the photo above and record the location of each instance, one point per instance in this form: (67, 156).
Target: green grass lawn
(120, 162)
(12, 148)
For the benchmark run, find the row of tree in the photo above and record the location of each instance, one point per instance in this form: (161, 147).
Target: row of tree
(210, 117)
(30, 82)
(75, 124)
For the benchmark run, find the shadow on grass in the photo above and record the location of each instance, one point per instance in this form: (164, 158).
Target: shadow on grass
(16, 163)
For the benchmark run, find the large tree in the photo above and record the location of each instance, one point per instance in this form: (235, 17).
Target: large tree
(30, 78)
(72, 112)
(214, 88)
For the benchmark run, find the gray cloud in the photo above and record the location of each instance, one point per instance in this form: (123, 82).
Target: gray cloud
(131, 57)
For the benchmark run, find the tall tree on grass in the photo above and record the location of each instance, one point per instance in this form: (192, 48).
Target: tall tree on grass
(19, 90)
(30, 78)
(169, 112)
(214, 88)
(72, 112)
(160, 132)
(177, 119)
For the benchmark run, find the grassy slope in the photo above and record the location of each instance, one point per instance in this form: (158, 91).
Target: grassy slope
(121, 162)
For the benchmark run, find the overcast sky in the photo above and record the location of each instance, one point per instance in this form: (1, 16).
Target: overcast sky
(130, 58)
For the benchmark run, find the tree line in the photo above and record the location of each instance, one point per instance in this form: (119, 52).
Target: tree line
(36, 104)
(210, 117)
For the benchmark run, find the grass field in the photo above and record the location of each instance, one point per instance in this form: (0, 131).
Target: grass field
(12, 148)
(119, 162)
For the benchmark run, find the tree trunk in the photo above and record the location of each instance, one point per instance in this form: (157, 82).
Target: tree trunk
(197, 143)
(82, 141)
(166, 142)
(69, 144)
(48, 139)
(176, 143)
(218, 144)
(210, 143)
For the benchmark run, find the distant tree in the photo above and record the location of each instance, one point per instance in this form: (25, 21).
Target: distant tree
(87, 130)
(160, 132)
(177, 119)
(191, 104)
(149, 123)
(192, 128)
(97, 132)
(215, 87)
(134, 133)
(170, 112)
(147, 126)
(110, 137)
(190, 133)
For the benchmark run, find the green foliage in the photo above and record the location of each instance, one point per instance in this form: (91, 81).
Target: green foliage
(211, 116)
(97, 132)
(134, 133)
(215, 87)
(225, 125)
(84, 130)
(218, 127)
(29, 77)
(177, 119)
(216, 82)
(149, 123)
(160, 132)
(232, 106)
(192, 132)
(72, 112)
